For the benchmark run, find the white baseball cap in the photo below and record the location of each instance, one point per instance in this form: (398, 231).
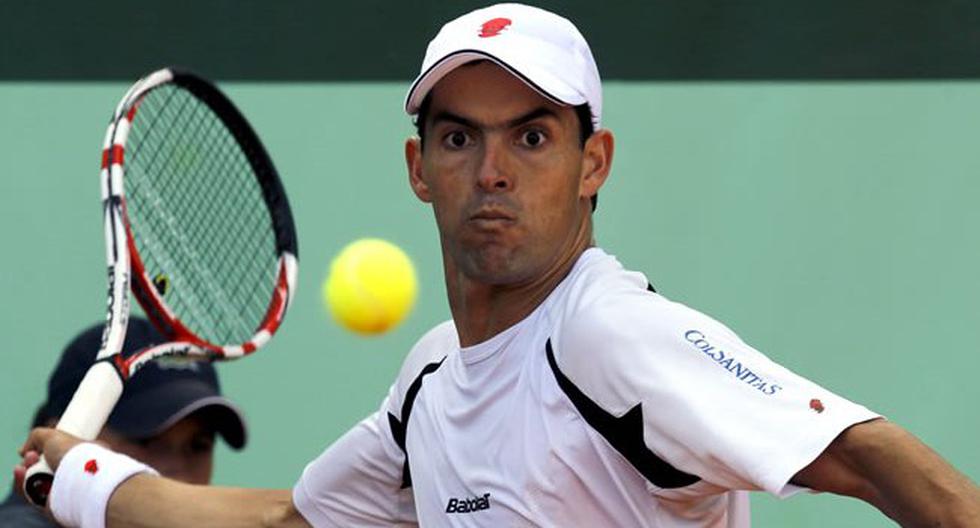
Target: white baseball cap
(541, 48)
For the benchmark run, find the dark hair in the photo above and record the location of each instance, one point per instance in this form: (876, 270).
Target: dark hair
(41, 416)
(582, 112)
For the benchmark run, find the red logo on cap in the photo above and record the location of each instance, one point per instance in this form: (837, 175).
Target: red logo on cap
(92, 467)
(816, 405)
(492, 28)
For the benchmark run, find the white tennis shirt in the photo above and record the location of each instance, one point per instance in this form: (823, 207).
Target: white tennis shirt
(609, 405)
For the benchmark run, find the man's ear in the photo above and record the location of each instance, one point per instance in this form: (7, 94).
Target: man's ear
(596, 162)
(413, 160)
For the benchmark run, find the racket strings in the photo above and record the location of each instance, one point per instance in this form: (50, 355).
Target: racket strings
(164, 215)
(197, 226)
(198, 216)
(201, 312)
(224, 154)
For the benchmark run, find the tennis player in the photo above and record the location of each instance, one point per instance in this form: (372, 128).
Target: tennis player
(168, 416)
(564, 391)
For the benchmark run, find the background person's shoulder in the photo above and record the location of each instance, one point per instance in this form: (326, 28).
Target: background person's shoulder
(15, 513)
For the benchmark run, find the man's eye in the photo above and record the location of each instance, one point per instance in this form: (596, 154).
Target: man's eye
(532, 138)
(202, 443)
(456, 139)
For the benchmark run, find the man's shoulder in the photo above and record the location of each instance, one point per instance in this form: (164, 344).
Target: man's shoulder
(603, 299)
(598, 283)
(618, 322)
(428, 351)
(613, 327)
(15, 513)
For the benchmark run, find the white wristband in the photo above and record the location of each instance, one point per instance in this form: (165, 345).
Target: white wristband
(85, 480)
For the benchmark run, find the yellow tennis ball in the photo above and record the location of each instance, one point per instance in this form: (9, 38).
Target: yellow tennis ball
(371, 286)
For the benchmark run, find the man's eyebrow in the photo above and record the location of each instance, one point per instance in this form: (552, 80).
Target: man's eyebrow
(517, 121)
(453, 118)
(541, 111)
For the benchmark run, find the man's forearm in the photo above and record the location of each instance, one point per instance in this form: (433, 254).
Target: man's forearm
(146, 501)
(915, 485)
(883, 464)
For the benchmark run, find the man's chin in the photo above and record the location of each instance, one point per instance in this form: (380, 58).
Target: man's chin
(494, 266)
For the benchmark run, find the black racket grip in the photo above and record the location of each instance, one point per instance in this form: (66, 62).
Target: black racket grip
(37, 483)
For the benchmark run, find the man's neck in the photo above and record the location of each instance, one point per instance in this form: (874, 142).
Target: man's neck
(481, 311)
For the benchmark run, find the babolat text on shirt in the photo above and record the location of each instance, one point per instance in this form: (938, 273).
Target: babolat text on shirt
(465, 505)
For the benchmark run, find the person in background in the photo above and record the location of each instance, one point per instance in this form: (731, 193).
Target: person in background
(168, 416)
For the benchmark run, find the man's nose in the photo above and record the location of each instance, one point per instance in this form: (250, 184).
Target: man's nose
(494, 174)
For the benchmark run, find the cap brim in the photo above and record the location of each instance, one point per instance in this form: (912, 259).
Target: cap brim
(152, 412)
(425, 81)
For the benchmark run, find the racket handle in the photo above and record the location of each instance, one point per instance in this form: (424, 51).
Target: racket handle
(93, 401)
(37, 482)
(87, 412)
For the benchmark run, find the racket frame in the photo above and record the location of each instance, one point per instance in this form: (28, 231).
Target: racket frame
(103, 383)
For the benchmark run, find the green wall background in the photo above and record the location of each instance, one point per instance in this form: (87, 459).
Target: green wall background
(833, 225)
(381, 40)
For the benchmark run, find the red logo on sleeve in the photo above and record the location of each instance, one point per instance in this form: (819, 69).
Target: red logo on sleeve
(92, 467)
(492, 28)
(816, 405)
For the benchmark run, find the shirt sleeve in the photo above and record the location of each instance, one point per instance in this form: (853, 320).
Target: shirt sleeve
(711, 405)
(357, 481)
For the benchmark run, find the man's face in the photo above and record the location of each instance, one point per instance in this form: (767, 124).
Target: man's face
(183, 452)
(503, 168)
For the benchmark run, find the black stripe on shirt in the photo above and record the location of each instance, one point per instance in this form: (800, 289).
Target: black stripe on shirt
(398, 427)
(624, 433)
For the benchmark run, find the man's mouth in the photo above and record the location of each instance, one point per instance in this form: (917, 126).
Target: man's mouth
(491, 218)
(492, 213)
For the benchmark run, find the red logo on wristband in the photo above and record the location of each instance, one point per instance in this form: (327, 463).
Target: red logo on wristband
(92, 467)
(816, 405)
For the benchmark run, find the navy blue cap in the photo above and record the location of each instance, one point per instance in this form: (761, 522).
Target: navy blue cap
(160, 394)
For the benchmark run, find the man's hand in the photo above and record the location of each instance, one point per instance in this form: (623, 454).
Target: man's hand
(42, 440)
(148, 501)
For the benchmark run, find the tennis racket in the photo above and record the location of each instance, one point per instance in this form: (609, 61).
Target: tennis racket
(197, 224)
